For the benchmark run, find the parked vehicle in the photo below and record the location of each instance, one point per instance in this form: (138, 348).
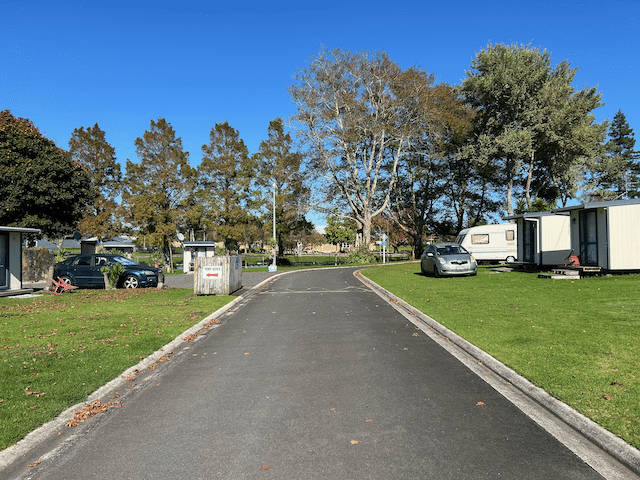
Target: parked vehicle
(441, 259)
(84, 271)
(491, 243)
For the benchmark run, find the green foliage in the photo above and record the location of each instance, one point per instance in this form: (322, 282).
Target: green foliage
(339, 230)
(281, 166)
(532, 125)
(63, 348)
(156, 189)
(113, 273)
(575, 339)
(225, 178)
(41, 186)
(361, 258)
(616, 172)
(90, 148)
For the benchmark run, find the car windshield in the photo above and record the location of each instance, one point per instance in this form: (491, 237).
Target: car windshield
(451, 250)
(124, 261)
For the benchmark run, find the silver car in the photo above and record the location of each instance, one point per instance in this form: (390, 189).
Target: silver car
(440, 259)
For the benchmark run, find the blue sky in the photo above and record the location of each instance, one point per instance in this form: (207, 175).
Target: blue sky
(123, 63)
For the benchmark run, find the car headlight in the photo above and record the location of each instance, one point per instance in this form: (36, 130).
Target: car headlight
(441, 260)
(473, 260)
(149, 273)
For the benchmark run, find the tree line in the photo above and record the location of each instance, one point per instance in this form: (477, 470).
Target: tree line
(378, 145)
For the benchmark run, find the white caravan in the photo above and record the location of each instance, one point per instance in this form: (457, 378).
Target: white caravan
(491, 243)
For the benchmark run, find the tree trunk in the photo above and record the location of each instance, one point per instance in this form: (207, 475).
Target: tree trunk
(527, 190)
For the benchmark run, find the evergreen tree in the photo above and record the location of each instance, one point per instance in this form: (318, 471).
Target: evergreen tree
(90, 148)
(157, 188)
(281, 166)
(616, 174)
(225, 177)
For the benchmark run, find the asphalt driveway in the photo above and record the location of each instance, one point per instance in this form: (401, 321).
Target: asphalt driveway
(314, 376)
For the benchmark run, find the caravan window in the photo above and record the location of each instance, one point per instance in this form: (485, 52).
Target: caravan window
(480, 239)
(510, 234)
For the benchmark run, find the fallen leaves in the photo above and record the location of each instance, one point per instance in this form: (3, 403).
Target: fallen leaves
(90, 410)
(265, 467)
(35, 463)
(481, 404)
(355, 442)
(33, 392)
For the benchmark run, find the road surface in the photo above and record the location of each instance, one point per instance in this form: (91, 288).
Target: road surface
(314, 376)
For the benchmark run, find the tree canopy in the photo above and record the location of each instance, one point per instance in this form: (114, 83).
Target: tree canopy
(281, 166)
(532, 125)
(225, 177)
(157, 187)
(90, 148)
(41, 187)
(357, 114)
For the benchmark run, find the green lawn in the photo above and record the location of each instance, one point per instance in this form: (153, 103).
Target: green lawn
(577, 339)
(56, 350)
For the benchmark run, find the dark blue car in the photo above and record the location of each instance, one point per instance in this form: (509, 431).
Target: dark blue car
(84, 271)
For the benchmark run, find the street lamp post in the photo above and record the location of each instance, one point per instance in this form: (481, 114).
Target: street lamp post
(274, 225)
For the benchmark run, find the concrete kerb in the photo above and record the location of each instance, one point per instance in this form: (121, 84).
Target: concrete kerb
(612, 444)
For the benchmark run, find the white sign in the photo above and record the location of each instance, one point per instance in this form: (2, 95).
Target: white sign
(212, 271)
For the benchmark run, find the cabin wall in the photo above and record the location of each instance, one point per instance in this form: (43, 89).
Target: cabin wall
(555, 239)
(621, 239)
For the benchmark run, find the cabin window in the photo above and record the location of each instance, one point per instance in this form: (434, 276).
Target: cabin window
(480, 239)
(510, 235)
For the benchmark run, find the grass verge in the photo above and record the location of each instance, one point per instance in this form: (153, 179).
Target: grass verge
(56, 350)
(576, 339)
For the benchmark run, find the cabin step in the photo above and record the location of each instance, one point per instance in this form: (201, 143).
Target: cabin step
(567, 272)
(559, 276)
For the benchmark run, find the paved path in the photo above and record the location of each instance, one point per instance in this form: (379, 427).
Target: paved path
(313, 377)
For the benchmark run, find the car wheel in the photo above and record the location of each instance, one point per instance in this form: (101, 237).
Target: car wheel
(511, 259)
(436, 272)
(422, 271)
(66, 279)
(131, 281)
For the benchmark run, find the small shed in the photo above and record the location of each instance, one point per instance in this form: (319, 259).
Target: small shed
(543, 238)
(193, 250)
(606, 234)
(119, 244)
(11, 259)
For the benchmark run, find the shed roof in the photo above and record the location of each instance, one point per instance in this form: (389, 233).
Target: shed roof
(19, 229)
(606, 204)
(199, 244)
(532, 215)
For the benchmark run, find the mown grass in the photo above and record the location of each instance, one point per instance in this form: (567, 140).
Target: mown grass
(577, 339)
(56, 350)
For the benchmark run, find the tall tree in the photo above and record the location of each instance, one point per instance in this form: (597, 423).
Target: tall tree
(339, 229)
(90, 148)
(615, 174)
(530, 119)
(226, 174)
(280, 166)
(418, 185)
(41, 187)
(356, 125)
(157, 187)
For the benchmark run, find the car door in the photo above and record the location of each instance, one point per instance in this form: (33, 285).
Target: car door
(429, 259)
(83, 271)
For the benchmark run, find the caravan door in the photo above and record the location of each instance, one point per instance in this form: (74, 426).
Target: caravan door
(529, 243)
(4, 260)
(588, 237)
